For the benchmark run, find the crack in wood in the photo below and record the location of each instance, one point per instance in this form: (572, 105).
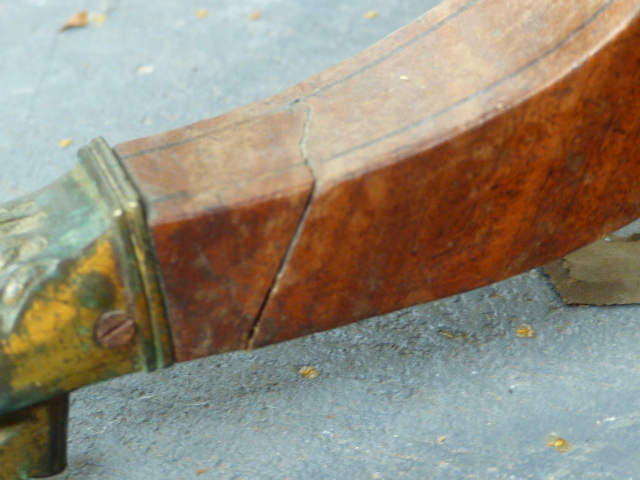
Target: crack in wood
(302, 145)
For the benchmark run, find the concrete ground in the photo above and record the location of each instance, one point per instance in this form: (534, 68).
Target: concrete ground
(445, 390)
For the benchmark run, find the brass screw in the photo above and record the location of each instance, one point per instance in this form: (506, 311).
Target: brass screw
(114, 329)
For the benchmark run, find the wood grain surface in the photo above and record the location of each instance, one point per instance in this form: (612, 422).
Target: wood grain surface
(482, 140)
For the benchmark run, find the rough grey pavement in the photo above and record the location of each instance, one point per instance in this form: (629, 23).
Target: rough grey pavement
(445, 390)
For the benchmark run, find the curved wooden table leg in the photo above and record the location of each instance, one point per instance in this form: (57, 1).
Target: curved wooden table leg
(484, 139)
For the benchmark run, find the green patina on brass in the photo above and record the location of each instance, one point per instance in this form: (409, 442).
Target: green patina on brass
(69, 254)
(95, 291)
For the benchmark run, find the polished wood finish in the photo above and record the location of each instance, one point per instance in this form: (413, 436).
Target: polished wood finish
(484, 139)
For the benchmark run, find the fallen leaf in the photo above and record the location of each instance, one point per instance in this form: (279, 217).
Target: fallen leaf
(202, 13)
(65, 142)
(99, 18)
(255, 15)
(308, 372)
(77, 20)
(525, 331)
(200, 471)
(560, 444)
(370, 15)
(603, 273)
(440, 440)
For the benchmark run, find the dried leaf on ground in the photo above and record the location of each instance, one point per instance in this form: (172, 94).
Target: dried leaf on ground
(255, 15)
(560, 444)
(99, 18)
(370, 15)
(525, 331)
(65, 142)
(606, 272)
(77, 20)
(308, 372)
(202, 13)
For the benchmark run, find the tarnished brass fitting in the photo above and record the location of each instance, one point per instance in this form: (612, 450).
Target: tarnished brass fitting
(80, 302)
(34, 440)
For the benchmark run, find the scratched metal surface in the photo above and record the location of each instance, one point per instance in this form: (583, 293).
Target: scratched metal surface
(444, 390)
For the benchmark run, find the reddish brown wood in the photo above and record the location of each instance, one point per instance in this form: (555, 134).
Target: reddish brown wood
(223, 205)
(484, 139)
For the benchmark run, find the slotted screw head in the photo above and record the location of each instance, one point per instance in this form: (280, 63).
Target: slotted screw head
(115, 329)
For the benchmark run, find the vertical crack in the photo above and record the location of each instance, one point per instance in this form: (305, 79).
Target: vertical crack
(302, 145)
